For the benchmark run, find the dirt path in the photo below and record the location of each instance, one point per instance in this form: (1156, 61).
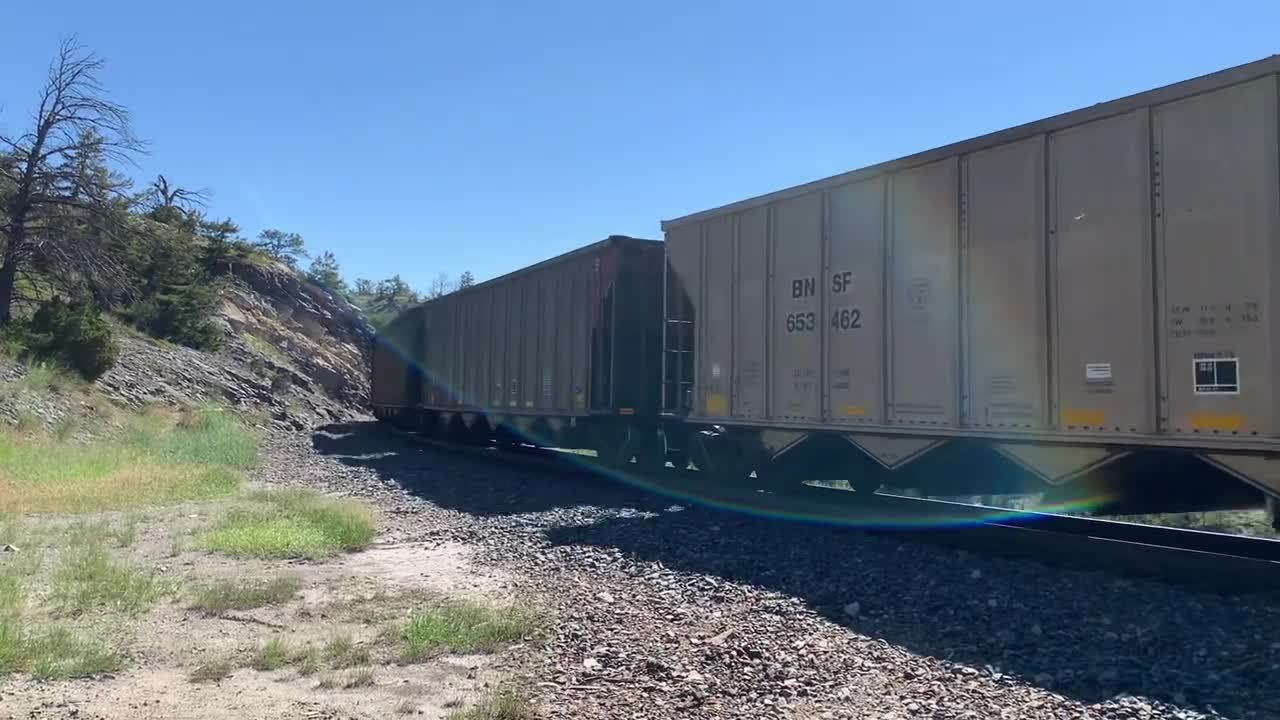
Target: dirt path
(357, 596)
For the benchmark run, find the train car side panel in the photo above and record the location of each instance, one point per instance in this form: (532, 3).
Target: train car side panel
(751, 315)
(1217, 238)
(580, 310)
(924, 292)
(1104, 363)
(1004, 236)
(498, 347)
(854, 318)
(547, 339)
(562, 349)
(715, 358)
(796, 321)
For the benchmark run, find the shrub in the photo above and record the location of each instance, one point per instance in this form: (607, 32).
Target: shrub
(177, 296)
(73, 334)
(182, 314)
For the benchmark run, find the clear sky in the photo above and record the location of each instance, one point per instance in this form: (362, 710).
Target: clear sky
(415, 137)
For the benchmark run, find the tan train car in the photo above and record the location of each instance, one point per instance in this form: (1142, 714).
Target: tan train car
(1086, 295)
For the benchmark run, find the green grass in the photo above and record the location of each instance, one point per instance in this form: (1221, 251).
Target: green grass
(292, 524)
(503, 705)
(52, 653)
(340, 652)
(163, 457)
(463, 626)
(16, 573)
(26, 422)
(308, 661)
(204, 436)
(248, 594)
(88, 578)
(274, 654)
(45, 376)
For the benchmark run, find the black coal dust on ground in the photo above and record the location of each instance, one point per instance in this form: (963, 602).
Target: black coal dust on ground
(683, 608)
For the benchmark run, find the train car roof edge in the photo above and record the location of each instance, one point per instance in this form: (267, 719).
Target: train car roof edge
(577, 252)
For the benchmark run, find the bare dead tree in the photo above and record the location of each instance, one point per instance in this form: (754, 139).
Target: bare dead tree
(60, 167)
(440, 286)
(163, 194)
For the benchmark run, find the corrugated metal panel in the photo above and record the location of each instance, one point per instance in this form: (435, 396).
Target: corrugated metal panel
(498, 347)
(547, 340)
(924, 352)
(515, 342)
(484, 331)
(1004, 236)
(562, 348)
(525, 343)
(580, 308)
(462, 357)
(431, 354)
(1104, 359)
(715, 359)
(797, 309)
(1217, 174)
(751, 315)
(854, 319)
(454, 344)
(530, 333)
(472, 357)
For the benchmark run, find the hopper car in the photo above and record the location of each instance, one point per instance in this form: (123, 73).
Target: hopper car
(1082, 306)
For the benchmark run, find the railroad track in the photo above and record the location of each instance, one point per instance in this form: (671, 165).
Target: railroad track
(1214, 561)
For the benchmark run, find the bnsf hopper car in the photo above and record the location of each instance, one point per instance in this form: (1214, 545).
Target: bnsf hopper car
(1087, 302)
(566, 352)
(1088, 298)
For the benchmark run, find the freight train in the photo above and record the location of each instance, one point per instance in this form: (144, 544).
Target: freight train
(1080, 306)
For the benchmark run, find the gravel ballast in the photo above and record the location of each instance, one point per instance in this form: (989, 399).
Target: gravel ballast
(672, 611)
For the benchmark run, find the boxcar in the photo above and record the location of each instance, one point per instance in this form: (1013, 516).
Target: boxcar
(1089, 295)
(565, 352)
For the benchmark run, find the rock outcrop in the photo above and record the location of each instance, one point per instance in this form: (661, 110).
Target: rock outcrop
(295, 354)
(324, 337)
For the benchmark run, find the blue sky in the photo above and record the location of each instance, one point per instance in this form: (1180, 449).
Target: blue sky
(419, 137)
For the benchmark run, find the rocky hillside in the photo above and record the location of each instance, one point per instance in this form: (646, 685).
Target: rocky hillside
(294, 352)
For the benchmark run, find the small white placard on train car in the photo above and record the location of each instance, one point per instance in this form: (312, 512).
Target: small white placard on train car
(1097, 372)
